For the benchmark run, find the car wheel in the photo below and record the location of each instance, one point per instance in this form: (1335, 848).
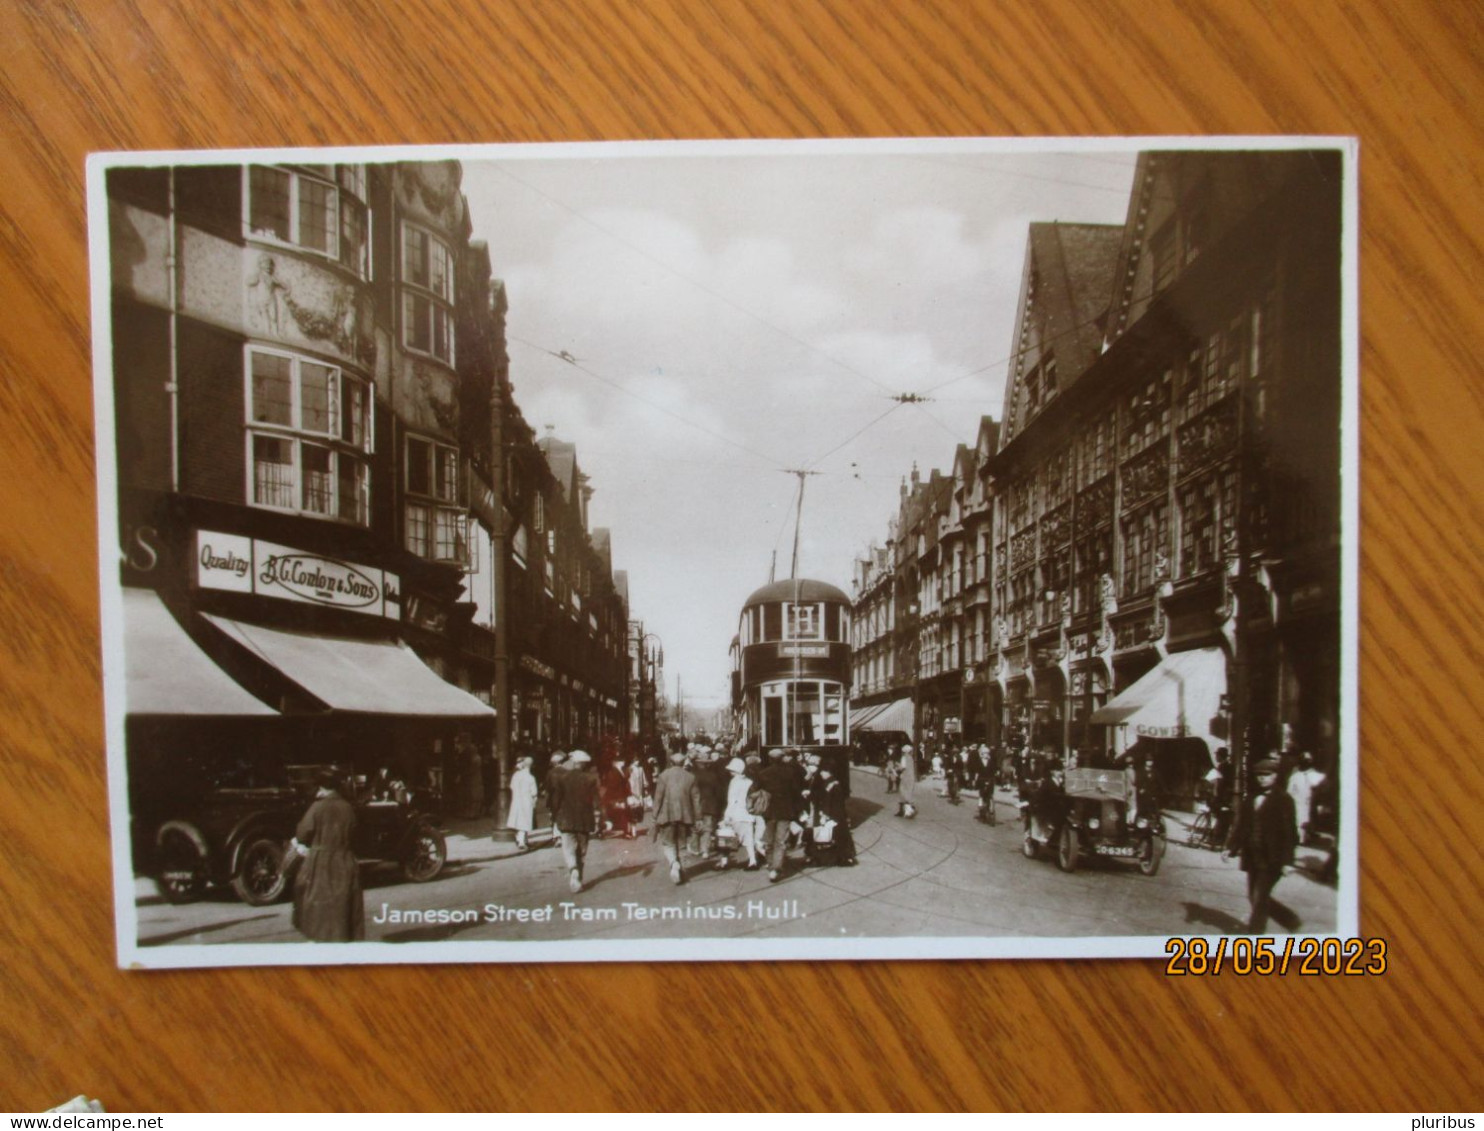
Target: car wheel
(1066, 849)
(183, 867)
(425, 856)
(1150, 854)
(260, 878)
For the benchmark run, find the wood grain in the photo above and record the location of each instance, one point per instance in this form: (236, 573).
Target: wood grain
(77, 77)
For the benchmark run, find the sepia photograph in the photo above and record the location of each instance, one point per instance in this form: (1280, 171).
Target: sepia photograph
(746, 550)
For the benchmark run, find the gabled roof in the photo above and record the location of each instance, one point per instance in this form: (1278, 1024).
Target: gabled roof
(561, 457)
(603, 546)
(1064, 292)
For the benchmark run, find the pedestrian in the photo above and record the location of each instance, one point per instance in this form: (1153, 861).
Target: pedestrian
(974, 765)
(556, 767)
(784, 806)
(576, 813)
(892, 769)
(907, 769)
(952, 768)
(327, 891)
(1303, 783)
(677, 807)
(712, 781)
(615, 790)
(1265, 836)
(522, 817)
(738, 816)
(830, 828)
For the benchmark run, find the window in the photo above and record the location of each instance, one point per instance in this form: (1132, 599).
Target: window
(310, 429)
(309, 210)
(1145, 538)
(436, 525)
(427, 294)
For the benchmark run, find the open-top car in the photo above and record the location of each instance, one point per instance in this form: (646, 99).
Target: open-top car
(1104, 818)
(240, 837)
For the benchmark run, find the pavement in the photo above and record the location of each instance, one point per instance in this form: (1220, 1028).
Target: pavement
(941, 874)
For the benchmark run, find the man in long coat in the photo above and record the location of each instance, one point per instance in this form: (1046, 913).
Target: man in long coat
(785, 801)
(677, 807)
(1266, 836)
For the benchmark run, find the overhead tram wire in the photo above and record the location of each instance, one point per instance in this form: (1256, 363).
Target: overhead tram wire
(567, 359)
(693, 282)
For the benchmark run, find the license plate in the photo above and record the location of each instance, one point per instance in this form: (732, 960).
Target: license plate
(1114, 850)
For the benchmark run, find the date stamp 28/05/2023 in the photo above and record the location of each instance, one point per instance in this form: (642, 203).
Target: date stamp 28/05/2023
(1307, 957)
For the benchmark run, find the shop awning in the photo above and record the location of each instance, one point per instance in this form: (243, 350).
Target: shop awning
(370, 677)
(165, 673)
(1177, 698)
(860, 718)
(895, 716)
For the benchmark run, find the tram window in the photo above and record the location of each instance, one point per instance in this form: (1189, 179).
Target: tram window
(806, 714)
(772, 622)
(832, 623)
(834, 715)
(773, 721)
(803, 622)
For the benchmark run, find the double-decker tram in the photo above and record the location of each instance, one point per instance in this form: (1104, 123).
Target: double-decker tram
(793, 678)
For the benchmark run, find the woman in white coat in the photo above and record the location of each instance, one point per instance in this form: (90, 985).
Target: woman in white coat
(737, 815)
(522, 817)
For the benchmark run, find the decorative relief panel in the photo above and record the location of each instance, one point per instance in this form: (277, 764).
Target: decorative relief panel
(1095, 503)
(1023, 549)
(1210, 437)
(1056, 526)
(290, 300)
(1146, 476)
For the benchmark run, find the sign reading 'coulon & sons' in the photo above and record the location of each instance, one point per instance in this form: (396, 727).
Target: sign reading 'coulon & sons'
(250, 565)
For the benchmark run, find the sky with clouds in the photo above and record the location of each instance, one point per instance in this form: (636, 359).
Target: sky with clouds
(733, 315)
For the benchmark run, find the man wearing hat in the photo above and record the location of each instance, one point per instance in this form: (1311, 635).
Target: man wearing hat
(677, 808)
(1266, 839)
(785, 800)
(576, 811)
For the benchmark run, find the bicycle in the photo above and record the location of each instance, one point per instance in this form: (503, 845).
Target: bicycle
(1202, 832)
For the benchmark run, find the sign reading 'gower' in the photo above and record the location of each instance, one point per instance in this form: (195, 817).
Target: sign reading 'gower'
(250, 565)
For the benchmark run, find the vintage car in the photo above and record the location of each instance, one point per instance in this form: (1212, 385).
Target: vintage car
(240, 837)
(1104, 819)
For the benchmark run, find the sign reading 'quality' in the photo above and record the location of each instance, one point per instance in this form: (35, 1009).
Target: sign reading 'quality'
(250, 565)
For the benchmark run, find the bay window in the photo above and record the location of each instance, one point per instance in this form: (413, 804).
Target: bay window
(309, 436)
(319, 208)
(435, 524)
(427, 294)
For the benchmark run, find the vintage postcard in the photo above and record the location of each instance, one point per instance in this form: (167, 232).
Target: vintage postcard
(752, 550)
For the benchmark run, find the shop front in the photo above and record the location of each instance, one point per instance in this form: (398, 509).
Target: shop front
(1177, 707)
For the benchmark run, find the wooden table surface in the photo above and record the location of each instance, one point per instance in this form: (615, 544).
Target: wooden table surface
(1404, 77)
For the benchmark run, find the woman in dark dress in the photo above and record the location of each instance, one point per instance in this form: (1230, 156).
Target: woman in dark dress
(828, 798)
(327, 891)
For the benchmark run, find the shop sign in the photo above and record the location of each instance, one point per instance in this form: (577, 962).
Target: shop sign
(236, 564)
(805, 651)
(1148, 730)
(952, 725)
(535, 666)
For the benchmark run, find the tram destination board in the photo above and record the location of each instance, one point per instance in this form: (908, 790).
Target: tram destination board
(679, 581)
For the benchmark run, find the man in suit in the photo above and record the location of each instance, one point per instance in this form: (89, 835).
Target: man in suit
(576, 811)
(785, 800)
(1266, 838)
(677, 808)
